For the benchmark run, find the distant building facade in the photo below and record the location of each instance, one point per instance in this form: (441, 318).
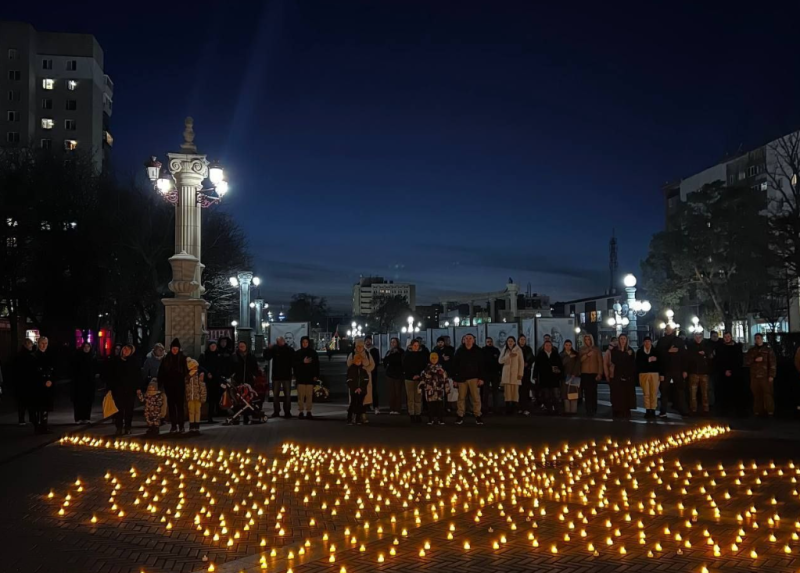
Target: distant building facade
(55, 92)
(368, 291)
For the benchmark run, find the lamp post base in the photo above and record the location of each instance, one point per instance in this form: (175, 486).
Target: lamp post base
(186, 321)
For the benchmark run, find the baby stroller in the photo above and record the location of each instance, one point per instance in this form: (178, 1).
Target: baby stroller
(241, 400)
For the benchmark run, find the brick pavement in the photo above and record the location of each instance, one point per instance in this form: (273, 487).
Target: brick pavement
(140, 540)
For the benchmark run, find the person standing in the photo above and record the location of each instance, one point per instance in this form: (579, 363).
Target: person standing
(196, 394)
(513, 368)
(648, 367)
(125, 386)
(226, 350)
(24, 379)
(375, 355)
(608, 368)
(152, 363)
(731, 391)
(572, 378)
(548, 372)
(591, 372)
(468, 374)
(623, 379)
(444, 351)
(526, 385)
(306, 372)
(698, 361)
(359, 348)
(395, 376)
(434, 384)
(282, 357)
(153, 401)
(671, 352)
(492, 368)
(172, 378)
(41, 400)
(211, 361)
(244, 365)
(414, 363)
(357, 382)
(763, 365)
(83, 390)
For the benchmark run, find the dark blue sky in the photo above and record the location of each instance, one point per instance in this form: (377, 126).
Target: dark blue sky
(451, 144)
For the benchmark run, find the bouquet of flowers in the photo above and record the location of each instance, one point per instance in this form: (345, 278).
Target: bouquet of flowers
(321, 393)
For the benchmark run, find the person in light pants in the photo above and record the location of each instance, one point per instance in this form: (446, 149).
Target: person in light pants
(647, 365)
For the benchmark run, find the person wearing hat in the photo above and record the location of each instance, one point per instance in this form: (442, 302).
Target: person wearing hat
(434, 384)
(468, 373)
(172, 376)
(671, 352)
(414, 363)
(125, 385)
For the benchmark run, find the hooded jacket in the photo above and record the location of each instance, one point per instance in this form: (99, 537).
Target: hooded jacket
(195, 388)
(393, 363)
(173, 370)
(305, 372)
(126, 377)
(591, 358)
(214, 363)
(151, 365)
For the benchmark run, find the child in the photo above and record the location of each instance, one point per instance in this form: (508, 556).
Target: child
(153, 401)
(357, 382)
(434, 384)
(195, 394)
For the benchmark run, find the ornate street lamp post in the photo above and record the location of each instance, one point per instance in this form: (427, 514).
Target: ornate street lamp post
(626, 314)
(245, 280)
(182, 184)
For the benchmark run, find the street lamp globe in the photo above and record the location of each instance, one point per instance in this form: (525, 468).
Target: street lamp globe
(222, 188)
(629, 281)
(256, 281)
(695, 320)
(637, 306)
(611, 321)
(446, 323)
(153, 168)
(457, 320)
(625, 321)
(165, 182)
(353, 324)
(216, 174)
(252, 305)
(416, 329)
(662, 325)
(617, 307)
(234, 282)
(577, 330)
(349, 333)
(234, 323)
(646, 306)
(670, 313)
(404, 329)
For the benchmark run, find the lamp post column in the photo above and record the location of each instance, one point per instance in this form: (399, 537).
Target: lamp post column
(186, 312)
(244, 330)
(633, 332)
(259, 306)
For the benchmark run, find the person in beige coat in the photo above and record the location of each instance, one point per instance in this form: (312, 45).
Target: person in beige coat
(591, 372)
(368, 364)
(511, 379)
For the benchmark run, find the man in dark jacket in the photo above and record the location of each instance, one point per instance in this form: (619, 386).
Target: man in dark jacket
(468, 374)
(415, 360)
(698, 358)
(172, 376)
(226, 350)
(395, 377)
(24, 377)
(731, 391)
(444, 352)
(672, 371)
(528, 358)
(492, 369)
(306, 373)
(548, 372)
(376, 358)
(761, 360)
(282, 357)
(83, 383)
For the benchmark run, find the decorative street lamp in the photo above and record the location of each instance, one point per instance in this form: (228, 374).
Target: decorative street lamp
(182, 184)
(259, 305)
(244, 280)
(626, 313)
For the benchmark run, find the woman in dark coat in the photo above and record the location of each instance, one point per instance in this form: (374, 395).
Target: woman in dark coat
(212, 362)
(623, 379)
(548, 372)
(23, 378)
(172, 376)
(41, 396)
(528, 357)
(83, 390)
(126, 381)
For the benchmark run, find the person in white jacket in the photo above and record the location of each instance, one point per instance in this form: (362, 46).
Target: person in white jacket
(511, 379)
(368, 364)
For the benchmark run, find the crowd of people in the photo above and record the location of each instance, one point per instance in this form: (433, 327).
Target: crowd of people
(514, 379)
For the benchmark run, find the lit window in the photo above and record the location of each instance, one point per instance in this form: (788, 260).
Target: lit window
(69, 124)
(46, 144)
(11, 242)
(70, 144)
(48, 83)
(47, 123)
(10, 222)
(13, 54)
(764, 186)
(12, 137)
(13, 116)
(47, 64)
(72, 65)
(71, 85)
(45, 226)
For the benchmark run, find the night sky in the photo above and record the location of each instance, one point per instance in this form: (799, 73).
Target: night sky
(450, 144)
